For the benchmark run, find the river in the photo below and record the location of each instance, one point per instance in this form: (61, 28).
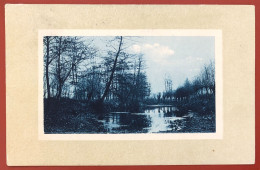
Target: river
(155, 119)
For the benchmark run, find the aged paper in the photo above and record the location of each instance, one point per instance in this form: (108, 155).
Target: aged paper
(235, 145)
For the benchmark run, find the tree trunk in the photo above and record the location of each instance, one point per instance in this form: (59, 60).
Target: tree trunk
(59, 91)
(112, 73)
(47, 67)
(59, 71)
(138, 81)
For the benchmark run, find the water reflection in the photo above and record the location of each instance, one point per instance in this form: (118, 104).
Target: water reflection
(154, 119)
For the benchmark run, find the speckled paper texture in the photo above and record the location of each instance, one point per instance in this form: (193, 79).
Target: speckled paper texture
(237, 145)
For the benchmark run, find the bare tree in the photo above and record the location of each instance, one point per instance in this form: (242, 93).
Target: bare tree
(113, 70)
(48, 59)
(68, 53)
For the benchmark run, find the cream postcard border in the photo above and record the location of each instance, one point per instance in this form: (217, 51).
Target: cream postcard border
(23, 147)
(142, 32)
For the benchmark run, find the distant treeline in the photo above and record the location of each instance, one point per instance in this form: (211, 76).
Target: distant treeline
(75, 68)
(198, 95)
(202, 85)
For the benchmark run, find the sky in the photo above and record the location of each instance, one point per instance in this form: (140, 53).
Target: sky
(177, 57)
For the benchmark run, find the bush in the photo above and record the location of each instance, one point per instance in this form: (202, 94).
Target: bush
(204, 105)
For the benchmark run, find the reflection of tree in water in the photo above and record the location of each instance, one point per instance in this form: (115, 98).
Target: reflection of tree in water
(126, 122)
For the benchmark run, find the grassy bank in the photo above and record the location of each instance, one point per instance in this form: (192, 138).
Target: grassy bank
(203, 117)
(69, 116)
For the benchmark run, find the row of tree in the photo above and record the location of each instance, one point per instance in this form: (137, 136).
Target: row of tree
(203, 84)
(75, 68)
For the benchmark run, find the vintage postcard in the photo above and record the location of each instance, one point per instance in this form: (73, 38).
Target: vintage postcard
(130, 84)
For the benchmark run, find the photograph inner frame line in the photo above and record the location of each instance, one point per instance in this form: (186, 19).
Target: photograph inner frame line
(166, 102)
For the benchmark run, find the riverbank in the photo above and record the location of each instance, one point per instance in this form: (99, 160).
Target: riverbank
(197, 123)
(203, 105)
(203, 117)
(69, 116)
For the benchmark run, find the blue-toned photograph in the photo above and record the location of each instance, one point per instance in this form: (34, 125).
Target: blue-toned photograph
(129, 84)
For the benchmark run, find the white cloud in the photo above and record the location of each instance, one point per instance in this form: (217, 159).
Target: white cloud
(194, 60)
(199, 58)
(189, 58)
(157, 49)
(136, 48)
(156, 52)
